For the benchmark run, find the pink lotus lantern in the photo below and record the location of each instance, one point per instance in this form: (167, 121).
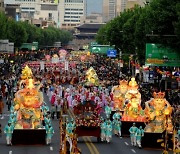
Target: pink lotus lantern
(48, 57)
(62, 53)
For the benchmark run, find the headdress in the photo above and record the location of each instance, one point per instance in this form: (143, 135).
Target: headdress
(159, 94)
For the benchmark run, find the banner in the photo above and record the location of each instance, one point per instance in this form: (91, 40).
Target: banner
(66, 67)
(42, 65)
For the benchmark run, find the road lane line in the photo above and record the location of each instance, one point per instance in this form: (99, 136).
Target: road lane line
(88, 145)
(10, 152)
(93, 146)
(51, 148)
(90, 142)
(133, 150)
(126, 143)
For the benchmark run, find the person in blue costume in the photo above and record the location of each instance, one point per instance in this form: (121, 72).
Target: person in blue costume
(8, 130)
(103, 130)
(108, 111)
(12, 120)
(117, 115)
(117, 126)
(133, 131)
(49, 134)
(70, 126)
(108, 131)
(139, 134)
(47, 120)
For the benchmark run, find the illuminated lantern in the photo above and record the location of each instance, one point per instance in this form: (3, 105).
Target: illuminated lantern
(47, 57)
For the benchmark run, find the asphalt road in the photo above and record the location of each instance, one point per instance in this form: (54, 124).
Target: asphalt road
(88, 145)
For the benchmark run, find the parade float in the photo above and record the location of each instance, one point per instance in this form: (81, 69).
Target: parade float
(88, 120)
(119, 92)
(159, 121)
(133, 112)
(91, 78)
(29, 111)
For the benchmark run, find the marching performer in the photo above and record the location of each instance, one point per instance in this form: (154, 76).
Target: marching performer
(108, 131)
(49, 134)
(103, 130)
(139, 134)
(116, 115)
(133, 131)
(108, 111)
(8, 131)
(117, 126)
(70, 127)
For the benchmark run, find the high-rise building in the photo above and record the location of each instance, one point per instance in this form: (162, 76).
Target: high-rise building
(131, 3)
(113, 8)
(109, 10)
(2, 5)
(70, 12)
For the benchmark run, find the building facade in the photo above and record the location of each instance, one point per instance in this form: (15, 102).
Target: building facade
(2, 6)
(42, 10)
(92, 18)
(113, 8)
(70, 12)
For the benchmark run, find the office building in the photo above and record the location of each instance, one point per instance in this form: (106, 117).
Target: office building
(70, 12)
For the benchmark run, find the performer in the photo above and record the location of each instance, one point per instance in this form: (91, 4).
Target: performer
(117, 126)
(103, 130)
(133, 131)
(49, 134)
(8, 131)
(108, 131)
(139, 134)
(108, 111)
(117, 115)
(70, 127)
(12, 120)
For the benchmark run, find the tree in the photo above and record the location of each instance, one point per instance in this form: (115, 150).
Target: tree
(16, 32)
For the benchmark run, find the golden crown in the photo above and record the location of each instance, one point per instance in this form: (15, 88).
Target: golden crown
(159, 94)
(123, 82)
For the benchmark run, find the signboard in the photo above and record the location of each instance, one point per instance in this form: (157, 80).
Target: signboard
(66, 66)
(101, 49)
(159, 56)
(111, 53)
(42, 65)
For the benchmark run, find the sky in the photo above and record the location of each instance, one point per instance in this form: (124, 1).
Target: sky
(94, 6)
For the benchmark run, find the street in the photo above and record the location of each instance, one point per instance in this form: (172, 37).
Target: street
(88, 145)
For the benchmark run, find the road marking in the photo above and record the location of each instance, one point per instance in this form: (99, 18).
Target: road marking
(10, 152)
(2, 117)
(93, 146)
(133, 150)
(51, 148)
(126, 143)
(88, 145)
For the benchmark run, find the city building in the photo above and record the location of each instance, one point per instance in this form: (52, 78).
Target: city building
(71, 12)
(13, 10)
(92, 18)
(109, 10)
(2, 9)
(37, 10)
(113, 8)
